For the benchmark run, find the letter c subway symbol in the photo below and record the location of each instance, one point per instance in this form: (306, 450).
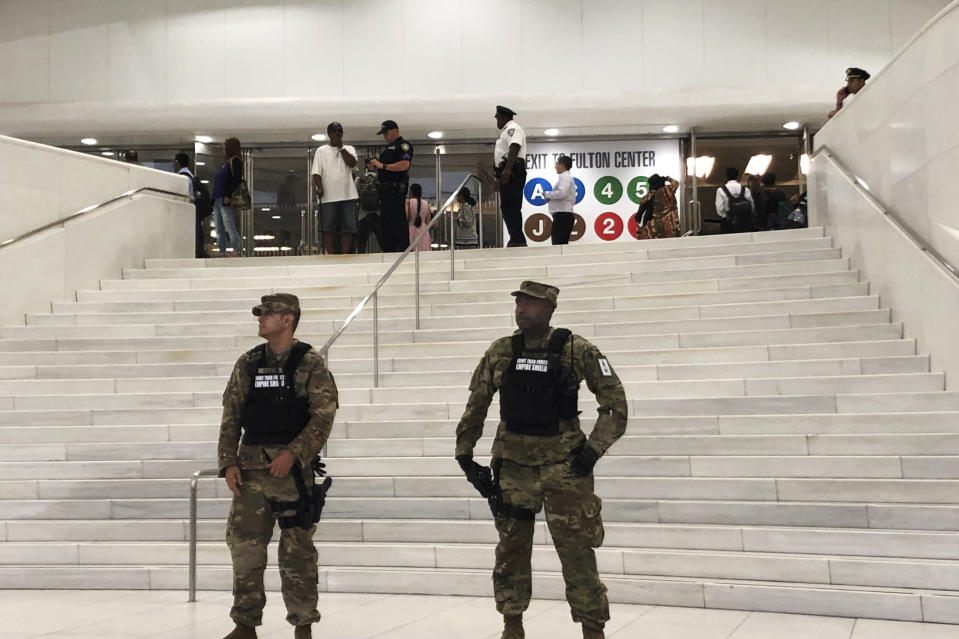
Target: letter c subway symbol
(534, 189)
(580, 190)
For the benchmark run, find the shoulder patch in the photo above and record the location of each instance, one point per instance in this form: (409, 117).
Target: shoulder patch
(510, 131)
(406, 147)
(604, 367)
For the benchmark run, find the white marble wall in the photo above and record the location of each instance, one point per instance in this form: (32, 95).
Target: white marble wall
(40, 184)
(707, 52)
(921, 294)
(899, 135)
(54, 264)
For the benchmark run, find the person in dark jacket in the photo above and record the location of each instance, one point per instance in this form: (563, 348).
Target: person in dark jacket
(228, 178)
(767, 204)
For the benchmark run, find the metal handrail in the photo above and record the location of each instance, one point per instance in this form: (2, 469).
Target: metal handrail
(194, 479)
(373, 295)
(87, 210)
(859, 184)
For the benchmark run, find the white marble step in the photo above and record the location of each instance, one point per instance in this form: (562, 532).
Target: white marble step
(484, 327)
(812, 287)
(562, 316)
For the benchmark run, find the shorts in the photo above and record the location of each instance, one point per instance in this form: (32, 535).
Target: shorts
(338, 217)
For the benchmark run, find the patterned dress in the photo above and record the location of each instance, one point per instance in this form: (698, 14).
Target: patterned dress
(665, 218)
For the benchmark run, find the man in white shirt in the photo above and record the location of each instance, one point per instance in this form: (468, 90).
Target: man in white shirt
(333, 181)
(509, 160)
(728, 199)
(561, 200)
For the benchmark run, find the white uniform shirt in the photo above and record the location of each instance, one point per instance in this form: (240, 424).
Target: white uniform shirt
(722, 202)
(510, 134)
(338, 182)
(563, 196)
(185, 171)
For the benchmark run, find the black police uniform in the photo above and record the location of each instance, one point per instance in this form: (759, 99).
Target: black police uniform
(393, 185)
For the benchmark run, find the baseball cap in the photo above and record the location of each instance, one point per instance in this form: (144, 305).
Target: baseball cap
(536, 289)
(277, 303)
(386, 126)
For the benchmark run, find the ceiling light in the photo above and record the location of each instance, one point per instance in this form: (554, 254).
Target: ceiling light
(792, 125)
(319, 137)
(703, 166)
(203, 139)
(758, 164)
(804, 163)
(551, 132)
(265, 209)
(264, 237)
(286, 248)
(434, 135)
(671, 128)
(276, 217)
(88, 141)
(204, 181)
(106, 153)
(198, 163)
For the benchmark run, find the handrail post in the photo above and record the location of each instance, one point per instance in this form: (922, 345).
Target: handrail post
(479, 193)
(376, 339)
(416, 283)
(194, 483)
(452, 245)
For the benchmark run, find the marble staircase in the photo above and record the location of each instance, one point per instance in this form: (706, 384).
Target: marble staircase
(788, 448)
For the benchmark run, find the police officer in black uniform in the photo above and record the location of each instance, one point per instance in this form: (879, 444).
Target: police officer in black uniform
(393, 168)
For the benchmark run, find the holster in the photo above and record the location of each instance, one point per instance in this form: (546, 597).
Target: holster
(309, 507)
(497, 506)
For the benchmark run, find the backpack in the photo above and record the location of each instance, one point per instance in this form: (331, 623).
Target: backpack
(201, 198)
(740, 211)
(368, 192)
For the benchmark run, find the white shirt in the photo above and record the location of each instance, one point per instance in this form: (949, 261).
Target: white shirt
(563, 196)
(722, 202)
(338, 182)
(509, 135)
(185, 171)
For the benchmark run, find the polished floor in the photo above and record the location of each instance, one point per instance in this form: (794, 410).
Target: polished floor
(86, 614)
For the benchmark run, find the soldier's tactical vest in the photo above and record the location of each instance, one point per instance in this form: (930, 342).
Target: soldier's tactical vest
(536, 392)
(273, 414)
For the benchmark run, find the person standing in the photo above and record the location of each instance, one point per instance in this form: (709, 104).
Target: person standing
(368, 211)
(418, 217)
(466, 235)
(393, 168)
(282, 399)
(541, 457)
(333, 183)
(855, 81)
(509, 160)
(734, 204)
(767, 204)
(200, 198)
(228, 178)
(561, 198)
(658, 214)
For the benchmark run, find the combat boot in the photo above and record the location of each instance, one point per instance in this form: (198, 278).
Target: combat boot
(303, 632)
(242, 632)
(592, 633)
(513, 628)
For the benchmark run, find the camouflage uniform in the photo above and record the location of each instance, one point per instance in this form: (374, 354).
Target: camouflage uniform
(251, 521)
(536, 472)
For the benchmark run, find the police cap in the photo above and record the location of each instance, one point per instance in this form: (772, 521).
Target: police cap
(855, 72)
(277, 303)
(386, 126)
(501, 110)
(535, 289)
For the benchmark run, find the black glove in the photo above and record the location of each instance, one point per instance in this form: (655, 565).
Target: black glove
(584, 458)
(479, 476)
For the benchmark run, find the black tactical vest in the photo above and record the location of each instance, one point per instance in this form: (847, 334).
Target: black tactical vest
(536, 392)
(273, 414)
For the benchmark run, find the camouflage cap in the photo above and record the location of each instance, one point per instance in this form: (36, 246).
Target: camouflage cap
(535, 289)
(277, 303)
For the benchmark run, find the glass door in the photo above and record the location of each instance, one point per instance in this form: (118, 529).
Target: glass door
(280, 220)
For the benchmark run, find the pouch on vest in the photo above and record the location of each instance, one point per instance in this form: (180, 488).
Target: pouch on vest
(273, 414)
(536, 393)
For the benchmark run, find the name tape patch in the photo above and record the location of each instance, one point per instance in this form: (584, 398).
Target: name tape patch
(274, 380)
(535, 365)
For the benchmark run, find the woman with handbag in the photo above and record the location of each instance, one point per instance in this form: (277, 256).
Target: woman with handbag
(227, 187)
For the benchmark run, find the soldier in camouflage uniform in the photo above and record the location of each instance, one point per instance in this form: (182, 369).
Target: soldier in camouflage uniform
(280, 433)
(541, 456)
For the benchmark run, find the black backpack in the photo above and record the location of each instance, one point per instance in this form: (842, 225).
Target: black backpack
(201, 198)
(368, 192)
(740, 215)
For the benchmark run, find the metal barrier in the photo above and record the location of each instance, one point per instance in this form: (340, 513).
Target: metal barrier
(194, 481)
